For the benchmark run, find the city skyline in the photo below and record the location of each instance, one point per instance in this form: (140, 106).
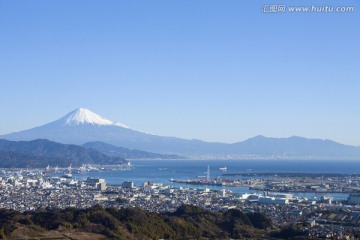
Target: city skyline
(204, 70)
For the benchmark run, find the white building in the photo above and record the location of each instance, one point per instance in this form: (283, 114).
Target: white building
(98, 183)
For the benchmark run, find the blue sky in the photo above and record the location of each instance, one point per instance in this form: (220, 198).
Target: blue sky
(204, 69)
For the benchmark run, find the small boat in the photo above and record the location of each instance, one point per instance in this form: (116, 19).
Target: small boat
(67, 175)
(224, 169)
(82, 168)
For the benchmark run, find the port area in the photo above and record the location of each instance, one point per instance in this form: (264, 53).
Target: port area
(285, 182)
(215, 182)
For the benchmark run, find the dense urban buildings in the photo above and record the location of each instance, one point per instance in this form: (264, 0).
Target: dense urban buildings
(27, 190)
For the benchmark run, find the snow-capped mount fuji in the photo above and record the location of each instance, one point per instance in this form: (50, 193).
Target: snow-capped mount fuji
(77, 127)
(82, 126)
(85, 116)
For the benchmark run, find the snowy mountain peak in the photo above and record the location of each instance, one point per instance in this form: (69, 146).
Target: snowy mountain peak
(85, 116)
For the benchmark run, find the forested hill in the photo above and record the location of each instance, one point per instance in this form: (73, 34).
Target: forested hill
(41, 153)
(188, 222)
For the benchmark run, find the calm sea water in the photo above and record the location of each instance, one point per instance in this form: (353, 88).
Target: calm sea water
(162, 171)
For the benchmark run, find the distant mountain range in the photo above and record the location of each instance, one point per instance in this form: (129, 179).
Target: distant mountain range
(296, 148)
(41, 153)
(83, 126)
